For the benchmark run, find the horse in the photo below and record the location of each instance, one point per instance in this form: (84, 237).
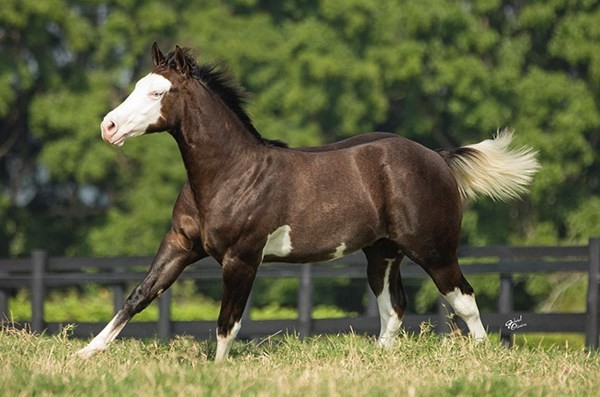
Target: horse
(250, 200)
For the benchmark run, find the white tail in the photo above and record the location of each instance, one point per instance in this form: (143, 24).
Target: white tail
(490, 168)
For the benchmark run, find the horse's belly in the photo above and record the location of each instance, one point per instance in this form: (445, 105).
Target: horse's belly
(324, 242)
(332, 212)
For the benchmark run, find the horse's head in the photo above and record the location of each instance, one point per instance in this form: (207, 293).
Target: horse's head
(146, 109)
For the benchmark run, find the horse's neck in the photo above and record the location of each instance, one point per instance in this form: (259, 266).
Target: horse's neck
(214, 143)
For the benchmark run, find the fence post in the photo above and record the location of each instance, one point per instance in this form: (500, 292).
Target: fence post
(305, 301)
(372, 307)
(118, 298)
(164, 315)
(118, 292)
(593, 296)
(39, 263)
(505, 299)
(248, 308)
(445, 314)
(4, 314)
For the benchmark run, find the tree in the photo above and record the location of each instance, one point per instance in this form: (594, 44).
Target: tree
(63, 65)
(440, 72)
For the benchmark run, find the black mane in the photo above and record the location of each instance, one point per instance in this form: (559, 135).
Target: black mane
(219, 80)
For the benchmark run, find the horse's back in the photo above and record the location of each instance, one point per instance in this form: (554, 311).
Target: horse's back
(377, 164)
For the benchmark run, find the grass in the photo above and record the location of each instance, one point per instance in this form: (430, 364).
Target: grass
(343, 365)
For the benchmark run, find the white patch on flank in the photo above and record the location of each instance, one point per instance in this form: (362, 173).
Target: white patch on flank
(224, 342)
(390, 322)
(339, 251)
(102, 340)
(140, 110)
(279, 242)
(465, 306)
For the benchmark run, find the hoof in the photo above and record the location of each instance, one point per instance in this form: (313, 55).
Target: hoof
(87, 352)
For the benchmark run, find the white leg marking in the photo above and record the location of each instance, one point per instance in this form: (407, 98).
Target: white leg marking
(466, 307)
(224, 342)
(339, 251)
(102, 340)
(279, 242)
(390, 322)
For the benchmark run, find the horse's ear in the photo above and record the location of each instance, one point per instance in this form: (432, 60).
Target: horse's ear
(158, 57)
(180, 62)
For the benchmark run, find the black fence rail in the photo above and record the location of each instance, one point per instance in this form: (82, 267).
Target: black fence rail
(41, 272)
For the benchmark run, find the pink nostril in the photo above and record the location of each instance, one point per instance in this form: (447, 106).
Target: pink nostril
(109, 128)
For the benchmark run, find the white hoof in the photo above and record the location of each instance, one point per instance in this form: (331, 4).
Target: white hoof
(88, 352)
(386, 343)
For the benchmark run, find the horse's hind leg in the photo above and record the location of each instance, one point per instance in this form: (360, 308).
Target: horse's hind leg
(455, 288)
(383, 272)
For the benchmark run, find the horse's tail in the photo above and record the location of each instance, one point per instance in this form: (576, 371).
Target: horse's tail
(490, 168)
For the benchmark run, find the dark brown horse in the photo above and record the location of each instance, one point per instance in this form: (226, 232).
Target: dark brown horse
(249, 200)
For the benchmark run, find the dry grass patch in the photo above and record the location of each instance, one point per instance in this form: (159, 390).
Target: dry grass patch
(344, 365)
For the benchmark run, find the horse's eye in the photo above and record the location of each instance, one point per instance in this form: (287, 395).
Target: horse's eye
(156, 94)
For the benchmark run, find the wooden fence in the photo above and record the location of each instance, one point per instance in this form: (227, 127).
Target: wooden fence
(40, 273)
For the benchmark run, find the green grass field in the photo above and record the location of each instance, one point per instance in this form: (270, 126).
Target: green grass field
(344, 365)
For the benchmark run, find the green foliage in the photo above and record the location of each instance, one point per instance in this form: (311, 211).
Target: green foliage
(585, 220)
(443, 73)
(95, 304)
(274, 311)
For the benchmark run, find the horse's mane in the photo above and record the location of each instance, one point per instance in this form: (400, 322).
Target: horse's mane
(218, 78)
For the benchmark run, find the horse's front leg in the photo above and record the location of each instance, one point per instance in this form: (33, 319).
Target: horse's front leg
(175, 253)
(238, 277)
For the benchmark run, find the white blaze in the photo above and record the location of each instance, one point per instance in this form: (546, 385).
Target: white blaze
(140, 110)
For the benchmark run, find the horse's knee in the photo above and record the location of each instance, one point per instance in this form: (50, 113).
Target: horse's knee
(139, 299)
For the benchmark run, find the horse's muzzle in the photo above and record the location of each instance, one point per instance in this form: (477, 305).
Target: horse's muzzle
(109, 132)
